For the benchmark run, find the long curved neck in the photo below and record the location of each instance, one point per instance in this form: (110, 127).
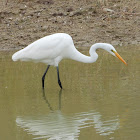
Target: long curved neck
(99, 46)
(76, 55)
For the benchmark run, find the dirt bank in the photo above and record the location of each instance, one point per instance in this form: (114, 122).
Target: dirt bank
(87, 21)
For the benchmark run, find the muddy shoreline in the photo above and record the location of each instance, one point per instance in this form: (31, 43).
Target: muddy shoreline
(88, 22)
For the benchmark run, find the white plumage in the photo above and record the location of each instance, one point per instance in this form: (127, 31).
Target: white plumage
(53, 48)
(50, 49)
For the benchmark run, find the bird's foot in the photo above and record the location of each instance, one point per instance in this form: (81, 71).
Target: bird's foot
(59, 82)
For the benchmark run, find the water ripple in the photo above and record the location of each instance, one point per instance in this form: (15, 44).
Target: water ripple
(57, 126)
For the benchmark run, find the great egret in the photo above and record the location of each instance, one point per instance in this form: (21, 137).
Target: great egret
(53, 48)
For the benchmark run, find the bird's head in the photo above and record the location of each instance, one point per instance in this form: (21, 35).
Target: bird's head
(113, 51)
(107, 47)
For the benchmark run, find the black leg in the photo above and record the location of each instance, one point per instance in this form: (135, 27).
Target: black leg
(59, 82)
(43, 77)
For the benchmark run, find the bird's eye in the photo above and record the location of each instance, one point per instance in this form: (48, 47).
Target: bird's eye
(112, 50)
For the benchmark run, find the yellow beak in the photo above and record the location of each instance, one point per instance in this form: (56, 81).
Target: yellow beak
(120, 57)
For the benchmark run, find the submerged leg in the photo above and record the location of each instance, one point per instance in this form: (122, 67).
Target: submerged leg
(59, 82)
(43, 77)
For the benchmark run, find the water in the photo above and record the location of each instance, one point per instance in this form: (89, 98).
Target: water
(100, 101)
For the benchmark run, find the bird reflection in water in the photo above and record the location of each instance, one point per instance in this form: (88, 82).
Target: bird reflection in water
(57, 125)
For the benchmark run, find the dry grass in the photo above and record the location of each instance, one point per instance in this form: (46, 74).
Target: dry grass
(130, 6)
(102, 2)
(123, 5)
(24, 21)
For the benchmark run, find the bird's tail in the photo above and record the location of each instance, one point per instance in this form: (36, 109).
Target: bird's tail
(17, 56)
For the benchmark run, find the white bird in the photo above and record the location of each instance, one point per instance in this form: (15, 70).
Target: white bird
(53, 48)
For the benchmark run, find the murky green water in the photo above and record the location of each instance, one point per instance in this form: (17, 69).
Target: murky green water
(100, 101)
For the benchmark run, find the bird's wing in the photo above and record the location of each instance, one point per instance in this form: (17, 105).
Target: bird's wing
(48, 47)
